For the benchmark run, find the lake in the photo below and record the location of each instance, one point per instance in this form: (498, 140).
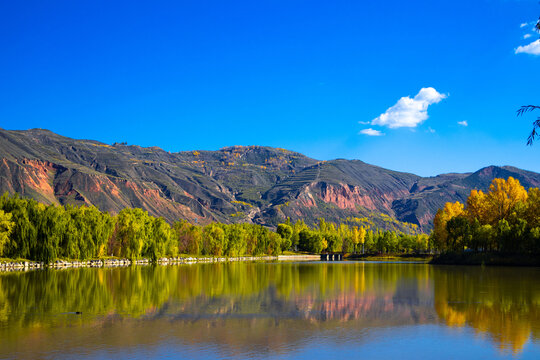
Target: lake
(272, 310)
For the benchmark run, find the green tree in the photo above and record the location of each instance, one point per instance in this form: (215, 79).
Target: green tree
(159, 243)
(299, 225)
(370, 242)
(458, 229)
(286, 232)
(213, 240)
(6, 226)
(188, 237)
(310, 241)
(236, 239)
(133, 229)
(334, 243)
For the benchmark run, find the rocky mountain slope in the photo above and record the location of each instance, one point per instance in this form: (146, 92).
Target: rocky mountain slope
(235, 184)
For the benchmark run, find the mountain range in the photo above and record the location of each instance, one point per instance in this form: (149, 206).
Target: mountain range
(254, 184)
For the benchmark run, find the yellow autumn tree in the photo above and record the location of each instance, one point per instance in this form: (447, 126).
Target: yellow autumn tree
(505, 219)
(355, 237)
(324, 244)
(477, 206)
(362, 236)
(440, 234)
(503, 198)
(359, 237)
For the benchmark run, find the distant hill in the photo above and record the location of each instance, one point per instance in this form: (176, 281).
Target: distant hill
(235, 184)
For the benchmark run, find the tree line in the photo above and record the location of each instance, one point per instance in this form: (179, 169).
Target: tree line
(506, 219)
(34, 231)
(330, 237)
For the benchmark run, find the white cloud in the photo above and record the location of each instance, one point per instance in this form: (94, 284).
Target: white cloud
(526, 36)
(463, 123)
(523, 25)
(409, 112)
(364, 122)
(371, 132)
(431, 130)
(533, 48)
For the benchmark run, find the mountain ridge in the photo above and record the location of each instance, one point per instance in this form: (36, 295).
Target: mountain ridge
(253, 183)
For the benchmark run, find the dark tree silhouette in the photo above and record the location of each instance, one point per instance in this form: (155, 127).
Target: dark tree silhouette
(528, 108)
(536, 124)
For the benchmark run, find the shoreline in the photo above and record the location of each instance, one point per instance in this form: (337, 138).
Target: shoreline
(459, 259)
(9, 266)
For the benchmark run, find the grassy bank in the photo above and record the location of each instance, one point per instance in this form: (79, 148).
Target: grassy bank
(490, 259)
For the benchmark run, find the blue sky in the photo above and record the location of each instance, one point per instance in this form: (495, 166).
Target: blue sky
(303, 75)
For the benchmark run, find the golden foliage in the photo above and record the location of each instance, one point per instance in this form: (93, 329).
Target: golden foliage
(241, 203)
(442, 217)
(503, 197)
(506, 199)
(359, 235)
(476, 205)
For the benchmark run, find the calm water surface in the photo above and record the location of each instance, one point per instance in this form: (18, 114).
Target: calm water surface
(272, 310)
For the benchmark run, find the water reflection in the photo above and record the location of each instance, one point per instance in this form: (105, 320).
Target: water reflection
(257, 308)
(501, 303)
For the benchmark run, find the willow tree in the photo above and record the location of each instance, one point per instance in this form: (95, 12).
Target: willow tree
(6, 225)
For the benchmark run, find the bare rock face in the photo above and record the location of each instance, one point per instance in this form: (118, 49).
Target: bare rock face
(33, 178)
(235, 184)
(346, 196)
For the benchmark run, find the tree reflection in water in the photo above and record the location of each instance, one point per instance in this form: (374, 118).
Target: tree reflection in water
(255, 306)
(501, 303)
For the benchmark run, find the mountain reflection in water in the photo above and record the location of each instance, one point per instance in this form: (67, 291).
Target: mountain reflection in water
(245, 309)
